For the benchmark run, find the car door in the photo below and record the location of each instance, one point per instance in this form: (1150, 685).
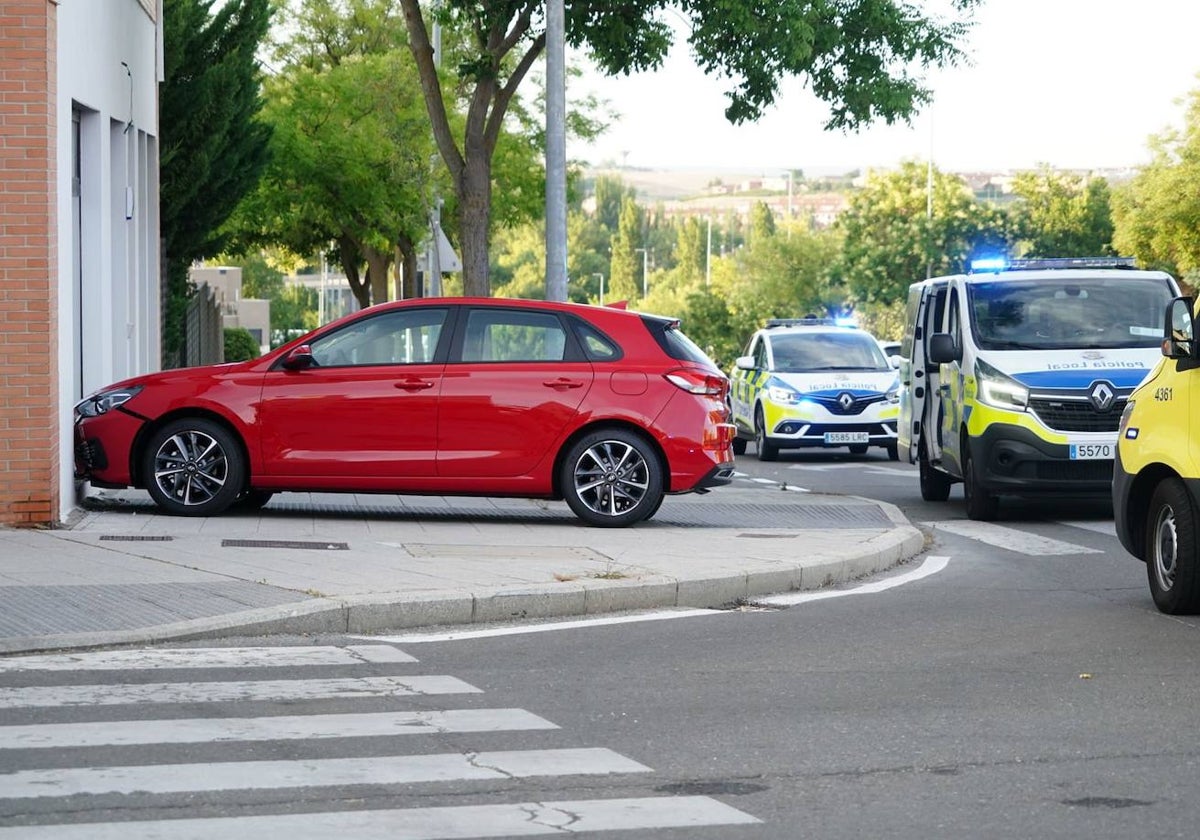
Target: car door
(920, 397)
(367, 407)
(514, 380)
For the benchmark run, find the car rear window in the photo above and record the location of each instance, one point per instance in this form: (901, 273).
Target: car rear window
(674, 343)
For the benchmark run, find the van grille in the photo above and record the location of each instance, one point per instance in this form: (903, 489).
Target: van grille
(1077, 415)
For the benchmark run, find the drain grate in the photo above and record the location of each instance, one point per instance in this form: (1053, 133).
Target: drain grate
(135, 538)
(319, 546)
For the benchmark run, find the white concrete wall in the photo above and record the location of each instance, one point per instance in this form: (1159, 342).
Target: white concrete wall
(109, 68)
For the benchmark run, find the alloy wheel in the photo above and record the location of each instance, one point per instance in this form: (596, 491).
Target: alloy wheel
(190, 467)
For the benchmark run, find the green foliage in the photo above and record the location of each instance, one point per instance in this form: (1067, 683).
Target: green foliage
(240, 346)
(212, 145)
(294, 311)
(1157, 215)
(626, 267)
(1061, 215)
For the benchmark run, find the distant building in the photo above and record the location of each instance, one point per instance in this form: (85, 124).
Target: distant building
(252, 314)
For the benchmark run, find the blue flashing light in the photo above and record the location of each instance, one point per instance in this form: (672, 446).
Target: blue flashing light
(989, 264)
(846, 322)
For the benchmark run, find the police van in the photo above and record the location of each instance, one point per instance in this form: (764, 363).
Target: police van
(812, 382)
(1014, 375)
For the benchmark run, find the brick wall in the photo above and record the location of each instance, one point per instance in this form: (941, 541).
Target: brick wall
(29, 460)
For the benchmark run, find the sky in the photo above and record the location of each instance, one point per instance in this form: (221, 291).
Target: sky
(1076, 84)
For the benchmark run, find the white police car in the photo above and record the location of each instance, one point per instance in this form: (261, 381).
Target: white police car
(808, 382)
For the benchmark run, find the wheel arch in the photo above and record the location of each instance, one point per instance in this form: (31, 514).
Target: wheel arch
(149, 429)
(1138, 505)
(610, 423)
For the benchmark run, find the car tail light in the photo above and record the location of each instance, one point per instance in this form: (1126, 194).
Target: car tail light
(699, 382)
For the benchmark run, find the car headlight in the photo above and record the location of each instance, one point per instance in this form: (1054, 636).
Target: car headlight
(780, 394)
(104, 401)
(998, 389)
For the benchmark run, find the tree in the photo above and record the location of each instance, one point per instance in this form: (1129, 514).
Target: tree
(625, 268)
(858, 57)
(891, 239)
(213, 147)
(1157, 214)
(240, 345)
(1061, 214)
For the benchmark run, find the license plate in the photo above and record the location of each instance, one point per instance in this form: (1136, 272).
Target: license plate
(847, 437)
(1092, 451)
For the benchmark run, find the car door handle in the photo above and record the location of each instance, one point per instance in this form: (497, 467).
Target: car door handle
(563, 384)
(413, 384)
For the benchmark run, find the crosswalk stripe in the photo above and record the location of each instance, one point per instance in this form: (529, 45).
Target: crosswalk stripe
(1010, 538)
(521, 819)
(49, 696)
(258, 775)
(284, 727)
(232, 657)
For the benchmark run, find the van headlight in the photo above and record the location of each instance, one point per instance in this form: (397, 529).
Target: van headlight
(999, 389)
(782, 395)
(105, 401)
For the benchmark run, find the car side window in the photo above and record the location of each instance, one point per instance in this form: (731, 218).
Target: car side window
(510, 335)
(760, 355)
(403, 337)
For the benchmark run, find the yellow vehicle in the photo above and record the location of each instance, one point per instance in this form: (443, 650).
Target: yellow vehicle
(1156, 477)
(809, 382)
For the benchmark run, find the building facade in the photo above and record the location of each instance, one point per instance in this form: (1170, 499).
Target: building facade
(79, 240)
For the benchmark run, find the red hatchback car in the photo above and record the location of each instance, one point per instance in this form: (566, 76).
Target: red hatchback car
(606, 408)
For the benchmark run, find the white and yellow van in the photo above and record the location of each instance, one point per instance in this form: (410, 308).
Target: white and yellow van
(1014, 376)
(1156, 478)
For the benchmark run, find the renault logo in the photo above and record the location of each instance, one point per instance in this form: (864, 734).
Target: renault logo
(845, 400)
(1101, 396)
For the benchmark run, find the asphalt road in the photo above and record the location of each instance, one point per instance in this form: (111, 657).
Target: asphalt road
(1027, 689)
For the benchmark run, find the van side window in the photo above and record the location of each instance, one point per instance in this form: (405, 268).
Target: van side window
(954, 322)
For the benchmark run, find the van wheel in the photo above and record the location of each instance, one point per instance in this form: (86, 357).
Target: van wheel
(1171, 562)
(739, 446)
(767, 451)
(935, 486)
(982, 506)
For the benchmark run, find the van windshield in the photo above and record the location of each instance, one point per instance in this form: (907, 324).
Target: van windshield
(1053, 314)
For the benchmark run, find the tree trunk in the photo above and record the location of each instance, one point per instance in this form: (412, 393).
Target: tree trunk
(377, 273)
(406, 261)
(475, 211)
(348, 255)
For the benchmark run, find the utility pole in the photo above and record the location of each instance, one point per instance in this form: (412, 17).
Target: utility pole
(433, 263)
(601, 276)
(556, 151)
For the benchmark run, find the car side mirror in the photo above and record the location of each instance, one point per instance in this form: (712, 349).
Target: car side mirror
(942, 349)
(894, 361)
(744, 363)
(300, 358)
(1179, 332)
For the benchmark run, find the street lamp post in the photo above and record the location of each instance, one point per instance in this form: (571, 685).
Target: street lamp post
(645, 271)
(601, 276)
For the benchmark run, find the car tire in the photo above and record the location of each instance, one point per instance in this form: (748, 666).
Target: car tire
(767, 451)
(612, 478)
(1171, 560)
(739, 446)
(982, 506)
(893, 451)
(193, 467)
(858, 449)
(935, 486)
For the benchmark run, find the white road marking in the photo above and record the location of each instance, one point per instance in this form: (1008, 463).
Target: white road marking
(1011, 539)
(223, 692)
(1100, 526)
(520, 819)
(931, 566)
(273, 775)
(416, 638)
(231, 657)
(860, 469)
(284, 727)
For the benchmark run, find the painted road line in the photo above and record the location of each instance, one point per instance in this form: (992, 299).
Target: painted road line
(282, 728)
(231, 657)
(520, 819)
(550, 626)
(931, 566)
(275, 775)
(1011, 539)
(223, 692)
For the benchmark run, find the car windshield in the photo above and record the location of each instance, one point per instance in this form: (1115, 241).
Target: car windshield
(800, 353)
(1046, 314)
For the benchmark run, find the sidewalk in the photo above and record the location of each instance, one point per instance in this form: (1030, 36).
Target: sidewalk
(121, 573)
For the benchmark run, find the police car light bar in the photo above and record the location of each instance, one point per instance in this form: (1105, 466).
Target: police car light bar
(801, 322)
(1039, 263)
